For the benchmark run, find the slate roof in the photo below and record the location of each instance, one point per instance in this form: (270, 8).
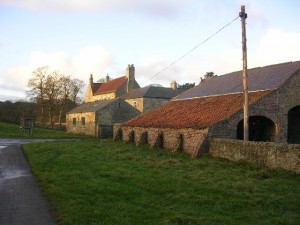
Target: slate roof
(152, 92)
(110, 86)
(91, 106)
(261, 78)
(196, 113)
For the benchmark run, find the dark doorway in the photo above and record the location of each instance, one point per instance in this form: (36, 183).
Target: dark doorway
(105, 131)
(260, 129)
(294, 125)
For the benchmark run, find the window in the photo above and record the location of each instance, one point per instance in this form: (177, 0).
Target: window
(82, 120)
(134, 104)
(74, 121)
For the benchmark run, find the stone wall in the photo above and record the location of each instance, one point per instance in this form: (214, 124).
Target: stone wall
(121, 90)
(89, 94)
(146, 104)
(274, 106)
(88, 128)
(152, 103)
(268, 154)
(267, 106)
(288, 98)
(138, 103)
(189, 141)
(100, 123)
(118, 111)
(110, 95)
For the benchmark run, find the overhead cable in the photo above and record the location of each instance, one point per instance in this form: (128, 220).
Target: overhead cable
(197, 46)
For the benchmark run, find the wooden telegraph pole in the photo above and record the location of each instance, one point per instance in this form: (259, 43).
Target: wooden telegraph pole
(243, 16)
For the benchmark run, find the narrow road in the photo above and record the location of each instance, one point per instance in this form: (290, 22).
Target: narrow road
(21, 201)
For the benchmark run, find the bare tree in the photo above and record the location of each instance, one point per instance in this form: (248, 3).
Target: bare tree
(65, 83)
(75, 88)
(52, 94)
(37, 85)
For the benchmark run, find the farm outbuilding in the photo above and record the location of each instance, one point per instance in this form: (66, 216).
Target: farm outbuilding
(97, 118)
(214, 109)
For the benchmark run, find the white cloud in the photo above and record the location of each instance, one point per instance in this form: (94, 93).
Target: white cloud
(157, 7)
(89, 60)
(151, 70)
(277, 46)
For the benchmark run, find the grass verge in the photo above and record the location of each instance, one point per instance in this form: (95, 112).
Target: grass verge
(103, 182)
(13, 131)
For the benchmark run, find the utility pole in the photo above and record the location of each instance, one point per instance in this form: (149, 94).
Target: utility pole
(243, 16)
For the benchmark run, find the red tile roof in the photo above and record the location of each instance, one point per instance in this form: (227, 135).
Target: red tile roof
(95, 87)
(197, 113)
(110, 86)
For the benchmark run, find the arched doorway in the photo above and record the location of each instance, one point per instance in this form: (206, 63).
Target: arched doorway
(260, 129)
(294, 125)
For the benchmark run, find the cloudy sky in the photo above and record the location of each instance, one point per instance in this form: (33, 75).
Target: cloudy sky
(99, 37)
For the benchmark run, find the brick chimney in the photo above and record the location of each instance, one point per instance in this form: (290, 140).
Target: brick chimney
(91, 79)
(130, 75)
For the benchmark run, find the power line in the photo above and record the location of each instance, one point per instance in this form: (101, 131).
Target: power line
(167, 67)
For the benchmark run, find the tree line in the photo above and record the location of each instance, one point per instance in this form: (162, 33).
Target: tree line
(53, 93)
(11, 112)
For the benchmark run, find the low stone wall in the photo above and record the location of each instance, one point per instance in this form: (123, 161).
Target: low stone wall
(273, 155)
(189, 141)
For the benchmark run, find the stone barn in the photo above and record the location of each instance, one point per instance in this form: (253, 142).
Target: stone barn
(97, 118)
(214, 108)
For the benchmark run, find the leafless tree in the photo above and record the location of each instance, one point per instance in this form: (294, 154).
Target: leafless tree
(37, 85)
(76, 86)
(53, 92)
(65, 83)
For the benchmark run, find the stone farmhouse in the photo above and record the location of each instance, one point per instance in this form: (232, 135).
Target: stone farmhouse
(111, 89)
(214, 109)
(115, 101)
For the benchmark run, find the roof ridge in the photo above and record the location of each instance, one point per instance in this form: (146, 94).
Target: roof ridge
(233, 93)
(269, 77)
(148, 88)
(257, 67)
(110, 86)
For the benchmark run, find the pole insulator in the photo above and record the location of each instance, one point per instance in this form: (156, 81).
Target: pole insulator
(243, 15)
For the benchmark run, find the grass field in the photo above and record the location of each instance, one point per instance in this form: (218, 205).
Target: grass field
(91, 182)
(13, 131)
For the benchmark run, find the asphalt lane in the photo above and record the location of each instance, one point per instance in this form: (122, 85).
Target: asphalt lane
(21, 201)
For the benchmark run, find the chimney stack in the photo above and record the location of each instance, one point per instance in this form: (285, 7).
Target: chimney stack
(174, 85)
(106, 78)
(130, 75)
(91, 79)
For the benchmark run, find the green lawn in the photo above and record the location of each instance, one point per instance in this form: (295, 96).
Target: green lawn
(13, 131)
(104, 182)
